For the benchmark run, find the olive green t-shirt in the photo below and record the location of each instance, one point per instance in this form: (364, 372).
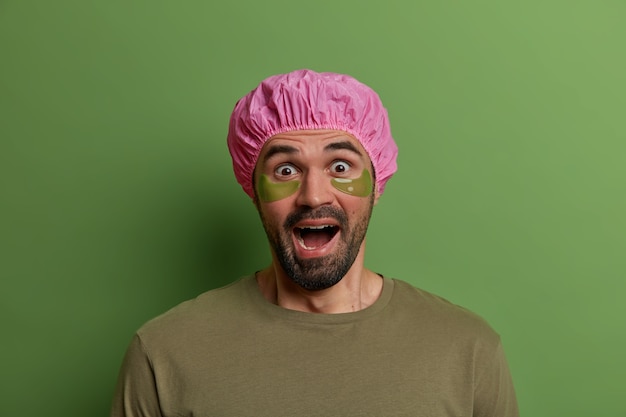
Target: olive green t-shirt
(229, 352)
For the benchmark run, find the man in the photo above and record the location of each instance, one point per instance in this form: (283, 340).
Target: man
(315, 333)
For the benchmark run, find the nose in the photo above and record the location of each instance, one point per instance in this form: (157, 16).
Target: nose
(315, 190)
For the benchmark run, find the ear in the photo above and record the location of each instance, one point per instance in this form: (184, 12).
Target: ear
(255, 198)
(255, 201)
(376, 194)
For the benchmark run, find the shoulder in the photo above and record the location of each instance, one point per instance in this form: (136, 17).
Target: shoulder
(437, 315)
(209, 310)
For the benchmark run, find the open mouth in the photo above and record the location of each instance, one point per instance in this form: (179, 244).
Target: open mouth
(314, 237)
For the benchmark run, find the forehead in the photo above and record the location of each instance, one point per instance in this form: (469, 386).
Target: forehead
(308, 142)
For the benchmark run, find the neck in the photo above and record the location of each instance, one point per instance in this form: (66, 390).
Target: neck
(357, 290)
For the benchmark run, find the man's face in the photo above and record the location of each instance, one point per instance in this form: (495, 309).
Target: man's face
(314, 192)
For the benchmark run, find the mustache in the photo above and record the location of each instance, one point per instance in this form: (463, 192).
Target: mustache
(318, 213)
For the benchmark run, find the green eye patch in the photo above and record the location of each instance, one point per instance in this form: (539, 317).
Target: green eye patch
(360, 187)
(269, 191)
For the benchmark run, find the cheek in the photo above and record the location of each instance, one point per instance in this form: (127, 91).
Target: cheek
(269, 191)
(359, 187)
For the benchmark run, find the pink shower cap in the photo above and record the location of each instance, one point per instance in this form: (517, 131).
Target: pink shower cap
(304, 100)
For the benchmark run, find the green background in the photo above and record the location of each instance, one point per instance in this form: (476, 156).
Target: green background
(118, 200)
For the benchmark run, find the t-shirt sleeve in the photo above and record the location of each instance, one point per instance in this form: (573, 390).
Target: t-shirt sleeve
(136, 393)
(494, 394)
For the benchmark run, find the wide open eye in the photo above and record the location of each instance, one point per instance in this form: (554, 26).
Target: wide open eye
(284, 171)
(339, 167)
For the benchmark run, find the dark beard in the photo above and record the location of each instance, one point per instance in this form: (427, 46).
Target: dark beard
(323, 272)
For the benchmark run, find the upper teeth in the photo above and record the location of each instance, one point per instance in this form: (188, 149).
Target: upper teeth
(315, 227)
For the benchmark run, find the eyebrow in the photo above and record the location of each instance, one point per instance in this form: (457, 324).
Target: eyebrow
(335, 146)
(276, 149)
(290, 150)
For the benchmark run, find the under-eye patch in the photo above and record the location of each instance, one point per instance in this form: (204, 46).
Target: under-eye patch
(269, 191)
(360, 187)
